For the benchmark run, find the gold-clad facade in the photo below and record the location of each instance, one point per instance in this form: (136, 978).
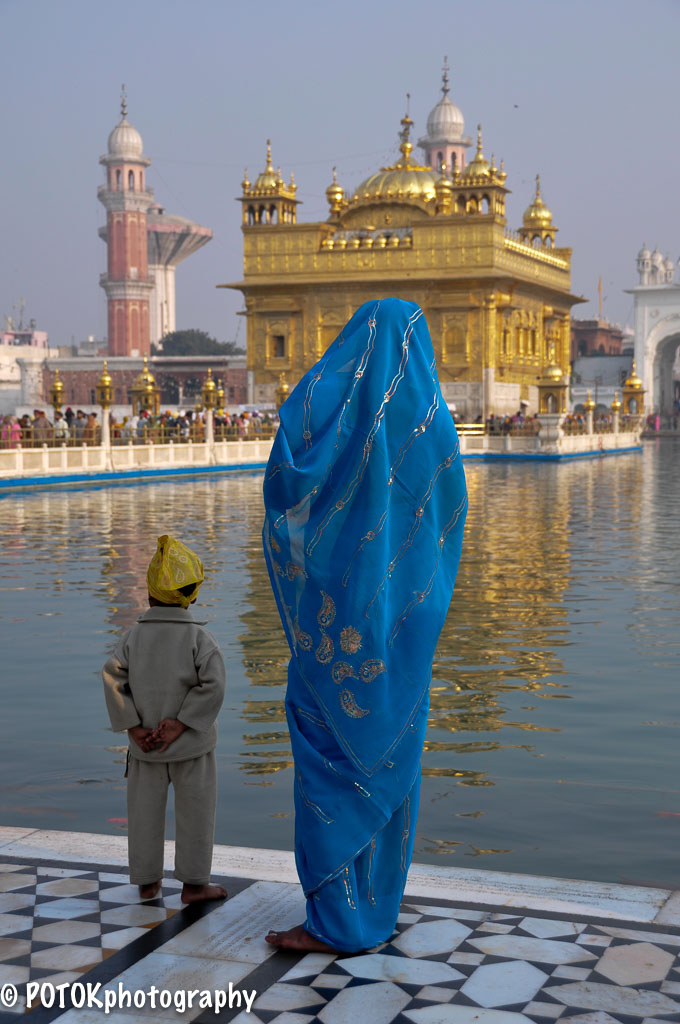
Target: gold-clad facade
(497, 302)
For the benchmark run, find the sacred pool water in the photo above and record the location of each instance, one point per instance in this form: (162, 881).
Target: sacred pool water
(553, 744)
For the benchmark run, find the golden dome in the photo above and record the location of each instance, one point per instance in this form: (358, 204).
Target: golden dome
(268, 178)
(479, 167)
(537, 215)
(616, 404)
(633, 381)
(105, 379)
(589, 404)
(403, 180)
(245, 184)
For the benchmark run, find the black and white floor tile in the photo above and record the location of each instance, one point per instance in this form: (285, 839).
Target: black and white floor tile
(446, 964)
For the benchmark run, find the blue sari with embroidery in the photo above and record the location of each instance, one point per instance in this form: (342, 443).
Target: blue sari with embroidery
(365, 504)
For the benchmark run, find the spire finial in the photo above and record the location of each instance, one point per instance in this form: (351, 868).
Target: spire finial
(335, 175)
(538, 186)
(479, 140)
(445, 77)
(406, 145)
(269, 166)
(123, 101)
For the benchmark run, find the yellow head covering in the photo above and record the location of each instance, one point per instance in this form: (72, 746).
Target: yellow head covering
(173, 566)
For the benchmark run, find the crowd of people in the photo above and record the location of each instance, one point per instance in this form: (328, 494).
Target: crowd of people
(83, 428)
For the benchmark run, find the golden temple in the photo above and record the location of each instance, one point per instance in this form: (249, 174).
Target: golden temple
(497, 302)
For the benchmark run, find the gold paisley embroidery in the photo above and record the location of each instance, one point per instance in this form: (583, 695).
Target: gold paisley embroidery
(350, 706)
(274, 543)
(326, 614)
(293, 570)
(341, 671)
(324, 652)
(350, 640)
(277, 568)
(303, 640)
(372, 668)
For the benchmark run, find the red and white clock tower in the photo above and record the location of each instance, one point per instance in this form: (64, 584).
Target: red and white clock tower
(126, 198)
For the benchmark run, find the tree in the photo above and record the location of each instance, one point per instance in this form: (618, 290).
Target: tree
(195, 343)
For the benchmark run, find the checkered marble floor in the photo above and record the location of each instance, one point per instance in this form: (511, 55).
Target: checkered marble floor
(447, 963)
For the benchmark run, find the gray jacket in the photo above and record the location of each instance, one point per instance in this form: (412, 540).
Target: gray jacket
(167, 666)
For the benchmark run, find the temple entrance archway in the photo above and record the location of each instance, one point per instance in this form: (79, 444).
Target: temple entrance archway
(659, 356)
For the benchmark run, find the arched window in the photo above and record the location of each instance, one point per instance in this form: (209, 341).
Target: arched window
(131, 180)
(548, 242)
(440, 158)
(460, 204)
(485, 205)
(118, 180)
(551, 403)
(141, 181)
(272, 214)
(251, 214)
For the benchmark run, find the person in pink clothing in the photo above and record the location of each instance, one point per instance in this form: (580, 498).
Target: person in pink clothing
(11, 432)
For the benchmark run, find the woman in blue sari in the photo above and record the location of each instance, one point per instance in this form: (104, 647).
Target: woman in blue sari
(365, 505)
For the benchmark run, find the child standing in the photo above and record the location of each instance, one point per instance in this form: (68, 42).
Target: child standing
(164, 685)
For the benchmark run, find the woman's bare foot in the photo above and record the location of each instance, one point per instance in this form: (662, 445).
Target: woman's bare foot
(150, 891)
(197, 893)
(298, 938)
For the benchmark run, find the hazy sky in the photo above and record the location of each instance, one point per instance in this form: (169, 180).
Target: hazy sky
(583, 91)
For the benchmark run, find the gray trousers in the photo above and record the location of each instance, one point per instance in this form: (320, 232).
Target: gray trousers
(195, 785)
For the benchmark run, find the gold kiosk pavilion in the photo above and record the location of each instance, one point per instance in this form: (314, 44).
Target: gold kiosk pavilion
(497, 302)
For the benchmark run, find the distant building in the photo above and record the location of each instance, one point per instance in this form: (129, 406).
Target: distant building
(595, 337)
(144, 246)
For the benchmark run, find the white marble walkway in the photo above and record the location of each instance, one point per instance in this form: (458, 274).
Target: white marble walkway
(471, 947)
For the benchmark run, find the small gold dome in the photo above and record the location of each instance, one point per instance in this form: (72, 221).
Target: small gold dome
(58, 384)
(537, 215)
(633, 381)
(268, 178)
(616, 404)
(589, 404)
(145, 377)
(479, 167)
(209, 383)
(443, 187)
(245, 184)
(335, 192)
(105, 379)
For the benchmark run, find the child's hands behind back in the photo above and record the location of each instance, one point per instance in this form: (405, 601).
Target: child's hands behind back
(143, 737)
(166, 732)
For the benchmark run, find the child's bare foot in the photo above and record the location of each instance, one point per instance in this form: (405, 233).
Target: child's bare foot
(150, 891)
(196, 893)
(298, 938)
